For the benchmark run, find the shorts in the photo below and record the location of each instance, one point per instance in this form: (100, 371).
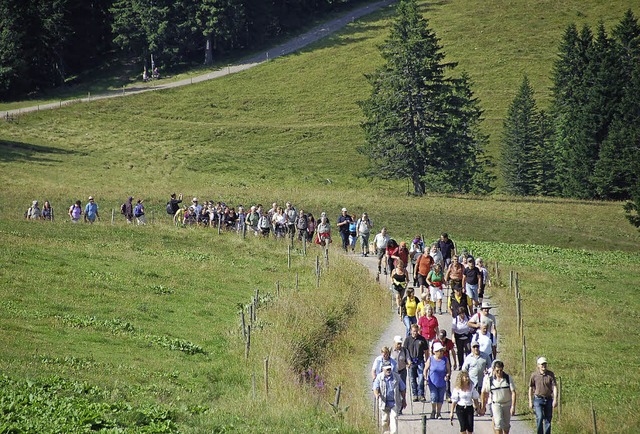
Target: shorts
(437, 393)
(380, 253)
(422, 280)
(436, 293)
(501, 415)
(472, 292)
(91, 217)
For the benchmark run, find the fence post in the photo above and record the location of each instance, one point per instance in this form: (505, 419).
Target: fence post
(266, 376)
(593, 415)
(326, 257)
(251, 314)
(510, 281)
(336, 401)
(153, 217)
(559, 398)
(248, 344)
(424, 424)
(278, 289)
(244, 324)
(524, 360)
(113, 216)
(289, 257)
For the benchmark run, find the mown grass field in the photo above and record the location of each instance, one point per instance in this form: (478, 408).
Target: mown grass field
(102, 306)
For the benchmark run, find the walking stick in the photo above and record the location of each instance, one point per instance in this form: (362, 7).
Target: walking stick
(411, 389)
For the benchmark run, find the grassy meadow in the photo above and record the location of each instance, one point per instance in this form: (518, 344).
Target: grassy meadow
(138, 327)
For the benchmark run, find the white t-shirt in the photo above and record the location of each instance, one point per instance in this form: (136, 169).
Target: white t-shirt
(464, 397)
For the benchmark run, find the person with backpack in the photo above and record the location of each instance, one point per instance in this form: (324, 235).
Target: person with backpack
(363, 231)
(292, 217)
(91, 211)
(252, 219)
(502, 390)
(138, 213)
(47, 211)
(353, 234)
(75, 211)
(34, 212)
(343, 226)
(126, 209)
(301, 224)
(264, 225)
(174, 204)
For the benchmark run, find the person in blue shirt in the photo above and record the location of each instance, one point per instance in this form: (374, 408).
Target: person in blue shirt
(91, 211)
(390, 392)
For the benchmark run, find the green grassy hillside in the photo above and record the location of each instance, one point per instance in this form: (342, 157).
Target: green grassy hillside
(102, 312)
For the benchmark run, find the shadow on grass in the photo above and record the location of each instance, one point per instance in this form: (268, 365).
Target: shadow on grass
(18, 151)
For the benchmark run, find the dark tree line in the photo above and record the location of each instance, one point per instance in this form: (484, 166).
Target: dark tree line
(422, 123)
(588, 146)
(44, 42)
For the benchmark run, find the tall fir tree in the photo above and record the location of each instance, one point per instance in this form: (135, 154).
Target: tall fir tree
(520, 142)
(420, 124)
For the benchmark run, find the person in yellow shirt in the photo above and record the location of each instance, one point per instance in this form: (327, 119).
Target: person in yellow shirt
(408, 308)
(179, 216)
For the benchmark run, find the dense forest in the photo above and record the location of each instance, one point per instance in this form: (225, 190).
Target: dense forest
(45, 42)
(588, 144)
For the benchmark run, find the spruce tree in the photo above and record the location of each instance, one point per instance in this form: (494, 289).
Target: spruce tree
(520, 141)
(420, 124)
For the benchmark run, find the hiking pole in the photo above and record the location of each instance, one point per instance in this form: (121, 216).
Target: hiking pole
(411, 389)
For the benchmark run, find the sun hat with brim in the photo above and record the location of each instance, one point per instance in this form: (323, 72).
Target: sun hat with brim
(485, 305)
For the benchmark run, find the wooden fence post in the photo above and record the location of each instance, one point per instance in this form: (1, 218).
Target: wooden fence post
(593, 416)
(244, 325)
(266, 376)
(278, 289)
(113, 216)
(336, 401)
(248, 344)
(289, 257)
(524, 360)
(559, 397)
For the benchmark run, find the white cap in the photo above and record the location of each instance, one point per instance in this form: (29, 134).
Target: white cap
(542, 360)
(344, 210)
(195, 199)
(437, 347)
(397, 339)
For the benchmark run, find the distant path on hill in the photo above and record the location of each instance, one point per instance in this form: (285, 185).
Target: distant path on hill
(288, 47)
(411, 420)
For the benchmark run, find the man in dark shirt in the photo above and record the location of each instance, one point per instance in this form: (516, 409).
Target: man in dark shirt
(418, 348)
(446, 247)
(174, 203)
(343, 225)
(543, 396)
(472, 280)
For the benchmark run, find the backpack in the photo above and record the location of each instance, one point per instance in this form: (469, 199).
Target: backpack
(505, 376)
(137, 211)
(123, 208)
(169, 208)
(264, 222)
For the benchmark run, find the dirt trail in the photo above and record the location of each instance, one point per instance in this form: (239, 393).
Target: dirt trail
(411, 419)
(295, 44)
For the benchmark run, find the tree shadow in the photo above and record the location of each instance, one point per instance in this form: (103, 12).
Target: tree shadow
(18, 151)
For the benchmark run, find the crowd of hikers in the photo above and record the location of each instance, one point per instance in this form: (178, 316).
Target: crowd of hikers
(432, 282)
(428, 280)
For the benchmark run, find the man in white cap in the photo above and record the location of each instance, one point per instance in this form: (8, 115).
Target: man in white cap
(343, 226)
(486, 318)
(390, 391)
(401, 355)
(91, 211)
(543, 396)
(475, 365)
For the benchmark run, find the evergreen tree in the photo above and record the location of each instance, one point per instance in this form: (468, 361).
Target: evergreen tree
(545, 170)
(520, 141)
(419, 123)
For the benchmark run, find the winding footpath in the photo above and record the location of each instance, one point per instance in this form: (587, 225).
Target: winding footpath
(291, 46)
(411, 419)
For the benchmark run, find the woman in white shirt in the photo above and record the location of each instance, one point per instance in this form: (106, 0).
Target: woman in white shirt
(463, 397)
(461, 335)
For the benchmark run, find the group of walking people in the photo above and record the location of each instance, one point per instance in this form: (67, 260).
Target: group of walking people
(431, 284)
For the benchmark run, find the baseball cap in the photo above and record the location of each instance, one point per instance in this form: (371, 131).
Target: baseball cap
(542, 360)
(437, 347)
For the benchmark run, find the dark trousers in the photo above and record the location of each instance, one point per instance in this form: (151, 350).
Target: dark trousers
(463, 347)
(543, 408)
(345, 239)
(465, 417)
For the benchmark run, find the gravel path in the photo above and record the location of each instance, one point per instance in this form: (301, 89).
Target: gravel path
(411, 420)
(288, 47)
